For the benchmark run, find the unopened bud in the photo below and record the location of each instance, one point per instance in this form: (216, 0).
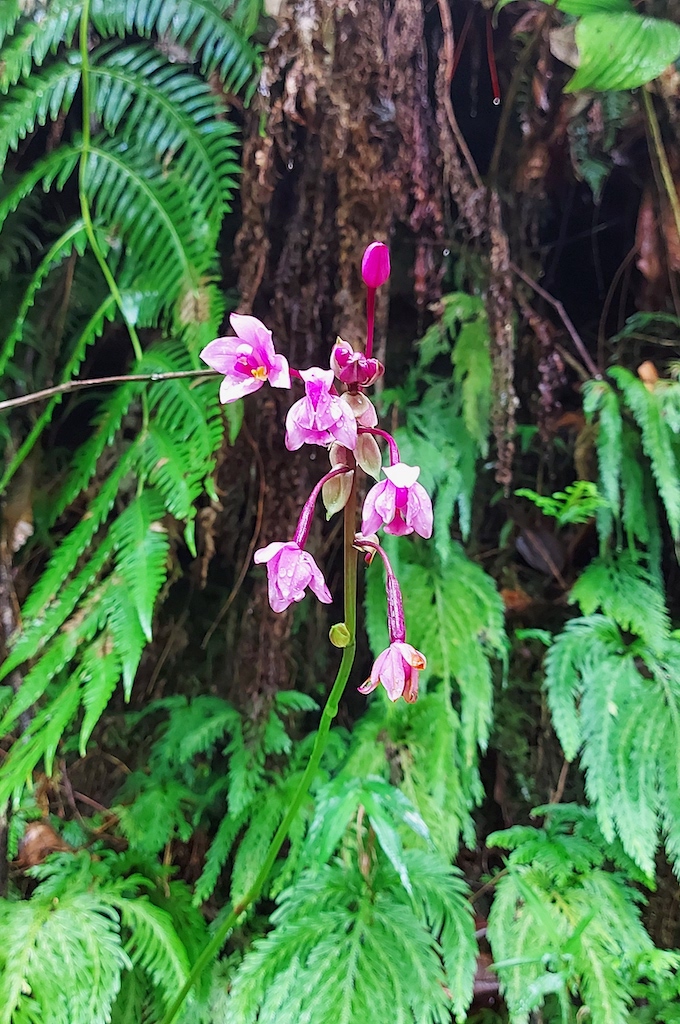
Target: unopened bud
(339, 635)
(362, 407)
(353, 367)
(338, 455)
(367, 454)
(336, 492)
(375, 265)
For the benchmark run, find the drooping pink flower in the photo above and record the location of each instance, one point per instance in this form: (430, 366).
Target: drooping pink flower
(290, 570)
(353, 367)
(320, 417)
(375, 265)
(397, 670)
(398, 503)
(247, 360)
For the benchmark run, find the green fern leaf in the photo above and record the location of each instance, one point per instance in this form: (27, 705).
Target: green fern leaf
(154, 945)
(99, 672)
(62, 958)
(122, 617)
(142, 545)
(47, 94)
(218, 45)
(50, 26)
(72, 239)
(218, 852)
(623, 589)
(657, 441)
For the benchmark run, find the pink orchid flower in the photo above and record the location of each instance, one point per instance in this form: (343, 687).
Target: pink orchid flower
(353, 367)
(398, 503)
(290, 570)
(320, 417)
(397, 670)
(247, 360)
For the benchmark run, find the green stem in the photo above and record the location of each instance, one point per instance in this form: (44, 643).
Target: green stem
(82, 171)
(328, 714)
(660, 151)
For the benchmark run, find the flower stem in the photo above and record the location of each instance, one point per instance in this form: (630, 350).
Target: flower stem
(391, 443)
(370, 321)
(305, 521)
(328, 714)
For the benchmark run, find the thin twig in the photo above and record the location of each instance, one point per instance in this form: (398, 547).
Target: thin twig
(558, 793)
(660, 151)
(96, 382)
(564, 317)
(449, 56)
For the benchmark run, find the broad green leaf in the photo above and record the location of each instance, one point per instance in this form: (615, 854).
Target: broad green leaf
(622, 50)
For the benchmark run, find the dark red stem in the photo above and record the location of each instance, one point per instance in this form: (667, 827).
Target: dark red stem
(491, 60)
(305, 521)
(370, 321)
(391, 443)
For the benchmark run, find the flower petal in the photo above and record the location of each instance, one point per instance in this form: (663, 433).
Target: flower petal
(265, 554)
(419, 511)
(252, 330)
(231, 389)
(221, 354)
(279, 374)
(371, 520)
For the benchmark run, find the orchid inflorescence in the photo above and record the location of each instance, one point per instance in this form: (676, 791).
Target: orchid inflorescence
(346, 424)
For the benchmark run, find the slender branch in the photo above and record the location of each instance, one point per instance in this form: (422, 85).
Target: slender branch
(82, 172)
(97, 382)
(564, 317)
(449, 59)
(661, 156)
(327, 716)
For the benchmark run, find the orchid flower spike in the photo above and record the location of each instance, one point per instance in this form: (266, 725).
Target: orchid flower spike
(290, 570)
(320, 417)
(247, 360)
(397, 670)
(398, 503)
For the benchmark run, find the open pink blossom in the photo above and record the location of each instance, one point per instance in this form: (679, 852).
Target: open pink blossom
(320, 417)
(290, 570)
(397, 670)
(247, 360)
(353, 367)
(398, 503)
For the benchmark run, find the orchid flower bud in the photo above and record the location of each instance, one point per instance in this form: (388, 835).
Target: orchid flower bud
(375, 266)
(353, 367)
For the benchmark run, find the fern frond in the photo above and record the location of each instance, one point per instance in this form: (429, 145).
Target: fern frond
(624, 590)
(62, 958)
(65, 558)
(629, 727)
(141, 544)
(657, 440)
(600, 398)
(50, 26)
(54, 169)
(100, 671)
(217, 44)
(154, 945)
(155, 223)
(73, 239)
(139, 96)
(46, 94)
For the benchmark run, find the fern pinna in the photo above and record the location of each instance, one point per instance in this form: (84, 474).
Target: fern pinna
(149, 148)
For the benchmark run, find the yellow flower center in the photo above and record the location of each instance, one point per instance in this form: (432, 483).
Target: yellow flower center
(259, 373)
